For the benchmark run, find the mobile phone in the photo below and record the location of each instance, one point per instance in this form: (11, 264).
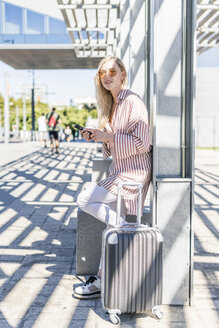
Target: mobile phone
(79, 127)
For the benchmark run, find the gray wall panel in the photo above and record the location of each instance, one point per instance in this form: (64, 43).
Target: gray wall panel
(168, 70)
(173, 213)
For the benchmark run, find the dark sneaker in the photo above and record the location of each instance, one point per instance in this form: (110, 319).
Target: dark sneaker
(89, 289)
(57, 152)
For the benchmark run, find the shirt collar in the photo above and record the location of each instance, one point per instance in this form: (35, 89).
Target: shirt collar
(122, 94)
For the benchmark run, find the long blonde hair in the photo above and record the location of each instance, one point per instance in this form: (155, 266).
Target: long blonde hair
(104, 97)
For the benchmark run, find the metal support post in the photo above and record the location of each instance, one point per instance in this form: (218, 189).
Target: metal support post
(17, 121)
(6, 108)
(24, 113)
(33, 107)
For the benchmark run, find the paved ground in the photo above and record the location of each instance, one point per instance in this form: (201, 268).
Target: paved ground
(37, 242)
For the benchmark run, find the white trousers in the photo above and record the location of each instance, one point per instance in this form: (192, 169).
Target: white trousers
(101, 204)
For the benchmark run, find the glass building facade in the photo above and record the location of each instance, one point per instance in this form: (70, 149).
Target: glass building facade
(20, 25)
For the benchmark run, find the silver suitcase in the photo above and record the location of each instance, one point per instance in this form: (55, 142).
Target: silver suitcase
(132, 265)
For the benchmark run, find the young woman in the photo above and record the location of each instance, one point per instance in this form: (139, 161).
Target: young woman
(125, 133)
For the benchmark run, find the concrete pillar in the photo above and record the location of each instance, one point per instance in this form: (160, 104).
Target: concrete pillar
(172, 109)
(6, 108)
(157, 45)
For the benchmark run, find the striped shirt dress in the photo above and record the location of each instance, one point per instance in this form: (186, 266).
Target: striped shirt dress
(131, 149)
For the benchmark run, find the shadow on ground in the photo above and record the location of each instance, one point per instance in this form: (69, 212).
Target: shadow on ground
(37, 244)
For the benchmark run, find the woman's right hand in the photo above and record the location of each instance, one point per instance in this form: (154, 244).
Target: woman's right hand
(85, 135)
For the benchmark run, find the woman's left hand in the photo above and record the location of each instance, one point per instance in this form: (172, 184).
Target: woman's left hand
(100, 136)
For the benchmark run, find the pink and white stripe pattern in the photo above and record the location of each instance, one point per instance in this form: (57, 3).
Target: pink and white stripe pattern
(131, 150)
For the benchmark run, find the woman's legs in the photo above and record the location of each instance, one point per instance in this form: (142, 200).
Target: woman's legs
(101, 204)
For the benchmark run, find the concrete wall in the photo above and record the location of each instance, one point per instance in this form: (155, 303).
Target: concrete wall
(207, 107)
(207, 131)
(207, 91)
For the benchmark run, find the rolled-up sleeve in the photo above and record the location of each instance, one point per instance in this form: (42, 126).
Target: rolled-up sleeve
(138, 141)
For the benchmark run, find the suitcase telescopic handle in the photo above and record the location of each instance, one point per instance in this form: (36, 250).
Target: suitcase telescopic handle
(120, 185)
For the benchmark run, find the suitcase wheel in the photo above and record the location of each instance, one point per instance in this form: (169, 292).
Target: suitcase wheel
(157, 312)
(114, 318)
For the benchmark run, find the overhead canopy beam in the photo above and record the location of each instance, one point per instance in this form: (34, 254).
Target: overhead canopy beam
(93, 23)
(95, 29)
(87, 6)
(207, 25)
(208, 29)
(206, 6)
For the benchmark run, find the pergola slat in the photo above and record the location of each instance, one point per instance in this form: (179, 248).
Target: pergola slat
(207, 25)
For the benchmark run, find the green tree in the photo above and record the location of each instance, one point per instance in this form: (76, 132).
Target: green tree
(69, 115)
(72, 115)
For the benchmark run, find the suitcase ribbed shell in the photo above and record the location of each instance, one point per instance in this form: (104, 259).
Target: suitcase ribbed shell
(132, 270)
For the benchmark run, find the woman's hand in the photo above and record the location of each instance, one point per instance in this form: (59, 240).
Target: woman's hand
(85, 135)
(98, 135)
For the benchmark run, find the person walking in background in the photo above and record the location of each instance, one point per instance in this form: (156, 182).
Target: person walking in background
(125, 133)
(67, 133)
(53, 120)
(42, 128)
(73, 133)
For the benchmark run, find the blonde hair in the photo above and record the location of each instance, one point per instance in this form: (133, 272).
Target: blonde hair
(104, 97)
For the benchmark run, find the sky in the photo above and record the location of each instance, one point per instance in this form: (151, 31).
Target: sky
(64, 85)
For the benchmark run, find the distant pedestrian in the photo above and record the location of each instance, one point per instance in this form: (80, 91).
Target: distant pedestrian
(73, 133)
(67, 133)
(53, 120)
(42, 128)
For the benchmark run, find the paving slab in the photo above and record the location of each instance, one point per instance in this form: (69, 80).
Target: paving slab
(38, 222)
